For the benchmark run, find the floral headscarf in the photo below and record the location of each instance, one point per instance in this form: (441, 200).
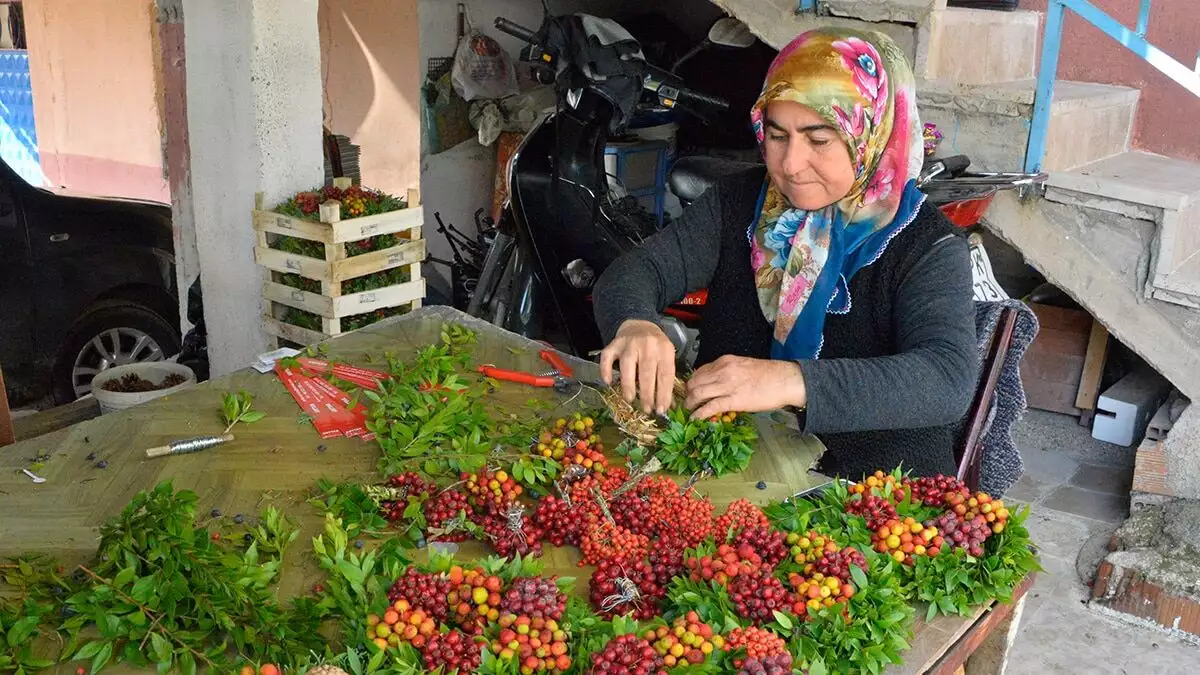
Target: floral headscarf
(861, 84)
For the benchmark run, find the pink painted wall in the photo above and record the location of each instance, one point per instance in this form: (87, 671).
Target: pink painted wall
(95, 74)
(1167, 113)
(371, 61)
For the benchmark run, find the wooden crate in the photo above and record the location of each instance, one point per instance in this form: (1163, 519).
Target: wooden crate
(334, 233)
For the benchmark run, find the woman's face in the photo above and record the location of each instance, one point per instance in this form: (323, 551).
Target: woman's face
(806, 157)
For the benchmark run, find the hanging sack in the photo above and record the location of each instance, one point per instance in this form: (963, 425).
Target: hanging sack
(482, 69)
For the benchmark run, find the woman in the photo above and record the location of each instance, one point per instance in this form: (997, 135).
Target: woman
(833, 253)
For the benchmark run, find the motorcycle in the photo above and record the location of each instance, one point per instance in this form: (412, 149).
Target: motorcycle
(564, 223)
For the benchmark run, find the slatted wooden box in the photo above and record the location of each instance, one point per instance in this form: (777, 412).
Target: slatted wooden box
(331, 306)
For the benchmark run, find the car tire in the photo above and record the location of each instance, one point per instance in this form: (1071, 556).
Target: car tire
(129, 320)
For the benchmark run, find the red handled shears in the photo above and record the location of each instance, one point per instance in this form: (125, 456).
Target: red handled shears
(560, 377)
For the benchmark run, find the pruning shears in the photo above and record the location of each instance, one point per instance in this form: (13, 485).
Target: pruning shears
(561, 377)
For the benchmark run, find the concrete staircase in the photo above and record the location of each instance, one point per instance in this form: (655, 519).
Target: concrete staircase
(1117, 229)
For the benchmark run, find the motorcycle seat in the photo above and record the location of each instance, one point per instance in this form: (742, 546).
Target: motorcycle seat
(692, 176)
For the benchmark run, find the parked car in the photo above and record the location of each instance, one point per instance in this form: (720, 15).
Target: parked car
(85, 283)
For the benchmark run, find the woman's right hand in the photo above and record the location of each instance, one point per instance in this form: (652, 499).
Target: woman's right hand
(647, 360)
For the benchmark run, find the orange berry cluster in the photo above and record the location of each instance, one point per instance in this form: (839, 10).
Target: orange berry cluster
(686, 642)
(724, 418)
(539, 645)
(759, 643)
(906, 539)
(982, 504)
(885, 483)
(401, 623)
(475, 595)
(740, 515)
(573, 441)
(818, 591)
(604, 540)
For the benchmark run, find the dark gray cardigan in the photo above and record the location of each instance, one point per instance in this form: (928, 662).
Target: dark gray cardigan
(896, 373)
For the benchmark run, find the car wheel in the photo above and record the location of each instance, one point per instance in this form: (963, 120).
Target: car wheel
(110, 334)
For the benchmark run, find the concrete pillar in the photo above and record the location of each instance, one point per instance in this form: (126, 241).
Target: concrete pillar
(254, 125)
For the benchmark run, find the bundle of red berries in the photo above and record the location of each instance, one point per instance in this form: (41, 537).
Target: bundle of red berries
(622, 586)
(513, 534)
(817, 592)
(965, 534)
(534, 597)
(491, 493)
(413, 484)
(628, 655)
(969, 508)
(558, 521)
(739, 515)
(770, 544)
(757, 643)
(538, 645)
(933, 490)
(688, 641)
(452, 651)
(725, 564)
(442, 514)
(778, 664)
(837, 563)
(875, 509)
(666, 555)
(426, 592)
(605, 540)
(758, 596)
(629, 510)
(905, 539)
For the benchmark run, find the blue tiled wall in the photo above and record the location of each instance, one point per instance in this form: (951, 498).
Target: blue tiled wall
(18, 138)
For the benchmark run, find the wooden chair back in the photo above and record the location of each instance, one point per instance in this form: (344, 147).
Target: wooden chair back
(970, 454)
(6, 420)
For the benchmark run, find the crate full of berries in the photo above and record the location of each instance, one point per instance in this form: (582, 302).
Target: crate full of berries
(338, 258)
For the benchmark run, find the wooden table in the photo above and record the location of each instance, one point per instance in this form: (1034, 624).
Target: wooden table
(279, 459)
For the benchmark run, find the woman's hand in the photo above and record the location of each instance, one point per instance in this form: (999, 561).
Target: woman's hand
(736, 383)
(647, 360)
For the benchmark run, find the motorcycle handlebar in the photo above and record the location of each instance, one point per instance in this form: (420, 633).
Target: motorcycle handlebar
(516, 30)
(666, 86)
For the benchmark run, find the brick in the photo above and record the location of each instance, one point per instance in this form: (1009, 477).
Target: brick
(1150, 469)
(1127, 591)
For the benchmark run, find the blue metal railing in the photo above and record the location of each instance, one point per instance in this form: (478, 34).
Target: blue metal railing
(1132, 39)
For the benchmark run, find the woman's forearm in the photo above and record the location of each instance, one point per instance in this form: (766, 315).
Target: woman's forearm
(680, 258)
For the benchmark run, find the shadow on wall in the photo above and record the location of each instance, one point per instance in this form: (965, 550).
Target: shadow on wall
(370, 57)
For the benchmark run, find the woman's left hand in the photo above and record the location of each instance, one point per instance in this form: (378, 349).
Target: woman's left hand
(740, 384)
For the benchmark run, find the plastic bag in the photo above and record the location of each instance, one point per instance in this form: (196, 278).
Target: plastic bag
(482, 69)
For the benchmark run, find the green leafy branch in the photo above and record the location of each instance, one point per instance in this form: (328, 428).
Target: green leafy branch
(235, 407)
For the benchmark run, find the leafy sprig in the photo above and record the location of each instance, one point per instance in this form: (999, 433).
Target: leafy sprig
(236, 407)
(688, 446)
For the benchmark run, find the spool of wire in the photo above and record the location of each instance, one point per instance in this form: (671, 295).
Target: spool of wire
(185, 446)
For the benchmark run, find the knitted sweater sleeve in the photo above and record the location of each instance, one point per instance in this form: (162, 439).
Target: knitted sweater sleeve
(680, 258)
(931, 380)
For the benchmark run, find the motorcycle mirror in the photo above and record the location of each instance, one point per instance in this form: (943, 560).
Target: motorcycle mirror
(729, 32)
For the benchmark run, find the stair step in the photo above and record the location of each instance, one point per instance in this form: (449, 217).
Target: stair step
(978, 46)
(990, 123)
(1151, 187)
(1136, 177)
